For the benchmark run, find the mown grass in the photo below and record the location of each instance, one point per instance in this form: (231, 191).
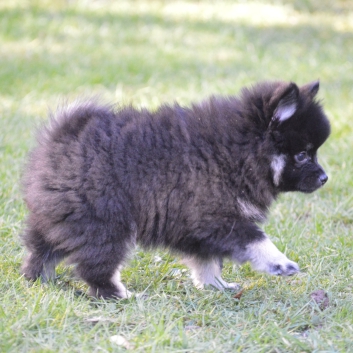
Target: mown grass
(145, 53)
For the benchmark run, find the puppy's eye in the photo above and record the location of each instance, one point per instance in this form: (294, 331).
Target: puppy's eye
(301, 157)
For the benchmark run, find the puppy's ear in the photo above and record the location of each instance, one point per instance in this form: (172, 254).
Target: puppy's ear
(285, 101)
(310, 90)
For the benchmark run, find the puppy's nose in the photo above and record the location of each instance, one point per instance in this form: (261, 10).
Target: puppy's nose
(323, 178)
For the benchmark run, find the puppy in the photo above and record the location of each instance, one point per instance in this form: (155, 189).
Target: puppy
(195, 180)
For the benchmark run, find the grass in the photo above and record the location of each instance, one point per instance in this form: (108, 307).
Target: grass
(146, 52)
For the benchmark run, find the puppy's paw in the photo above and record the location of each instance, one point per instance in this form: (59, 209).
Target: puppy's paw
(232, 286)
(265, 257)
(219, 284)
(288, 268)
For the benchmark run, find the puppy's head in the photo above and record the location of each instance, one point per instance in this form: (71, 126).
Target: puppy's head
(298, 127)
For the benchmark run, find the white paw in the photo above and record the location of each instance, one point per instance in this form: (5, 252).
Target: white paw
(217, 283)
(265, 257)
(232, 286)
(220, 284)
(288, 268)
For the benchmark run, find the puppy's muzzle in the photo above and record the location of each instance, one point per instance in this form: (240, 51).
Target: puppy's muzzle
(323, 178)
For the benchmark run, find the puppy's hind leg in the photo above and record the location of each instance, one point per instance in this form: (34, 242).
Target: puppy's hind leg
(207, 272)
(41, 258)
(100, 260)
(103, 279)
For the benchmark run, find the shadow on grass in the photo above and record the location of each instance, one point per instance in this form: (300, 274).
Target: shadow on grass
(313, 6)
(138, 49)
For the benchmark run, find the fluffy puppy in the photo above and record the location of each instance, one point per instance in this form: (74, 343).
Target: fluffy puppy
(195, 180)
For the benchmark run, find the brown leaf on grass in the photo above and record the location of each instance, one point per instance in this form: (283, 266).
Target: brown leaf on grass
(239, 294)
(321, 298)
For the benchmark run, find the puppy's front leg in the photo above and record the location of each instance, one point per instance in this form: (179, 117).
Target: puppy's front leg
(207, 272)
(264, 256)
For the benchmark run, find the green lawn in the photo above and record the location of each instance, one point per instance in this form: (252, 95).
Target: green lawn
(149, 52)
